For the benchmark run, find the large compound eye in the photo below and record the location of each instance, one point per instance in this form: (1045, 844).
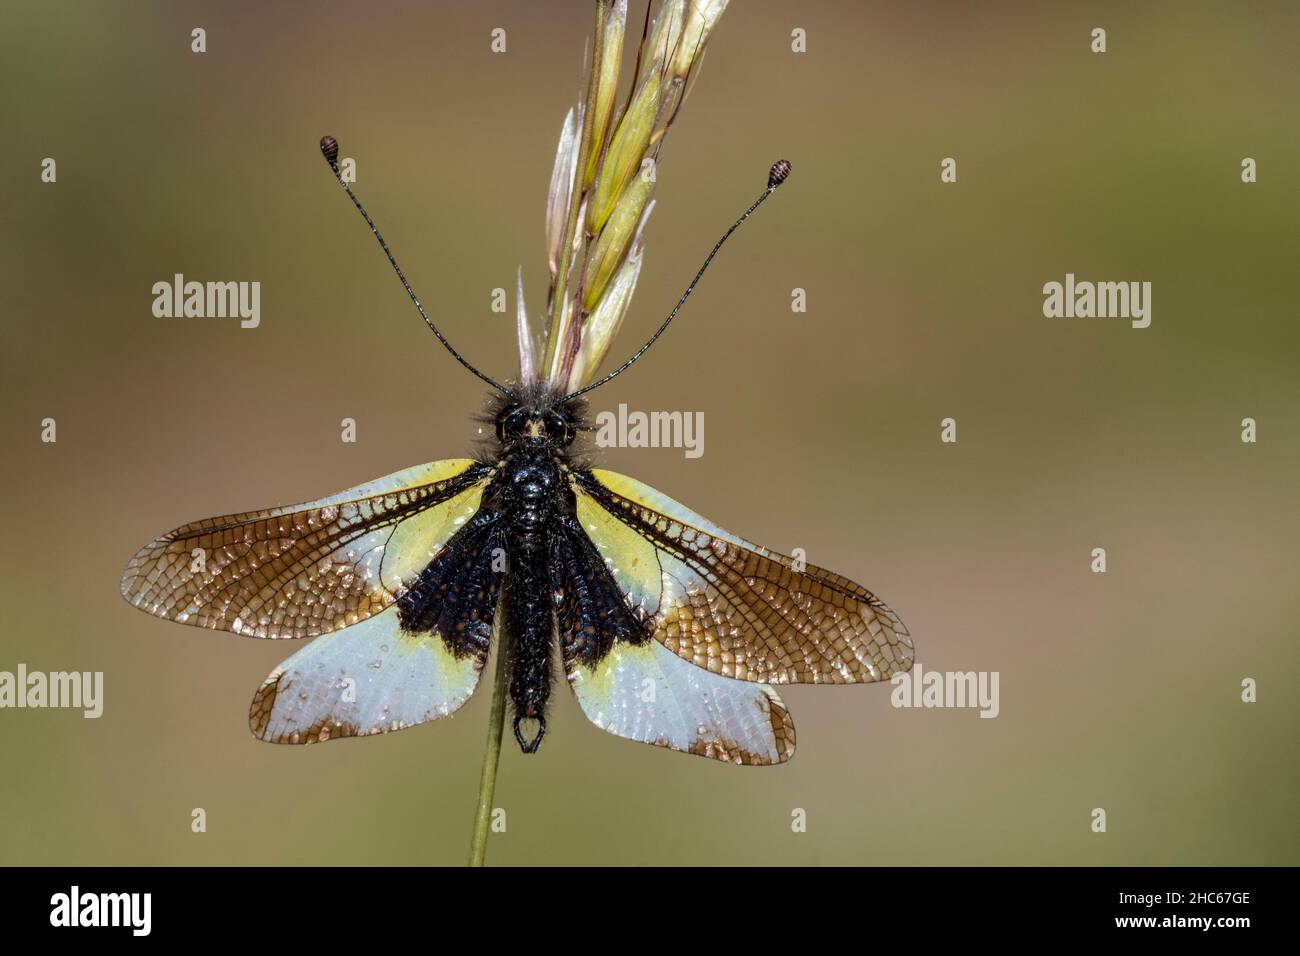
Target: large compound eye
(510, 422)
(558, 428)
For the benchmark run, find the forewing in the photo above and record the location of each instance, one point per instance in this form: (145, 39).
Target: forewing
(372, 678)
(307, 569)
(730, 606)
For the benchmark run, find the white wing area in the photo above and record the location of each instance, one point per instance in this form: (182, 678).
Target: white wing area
(369, 678)
(646, 692)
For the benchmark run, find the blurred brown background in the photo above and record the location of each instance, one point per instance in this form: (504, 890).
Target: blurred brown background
(822, 429)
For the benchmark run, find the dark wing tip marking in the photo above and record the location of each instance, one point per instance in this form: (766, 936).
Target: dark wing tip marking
(326, 728)
(259, 714)
(782, 729)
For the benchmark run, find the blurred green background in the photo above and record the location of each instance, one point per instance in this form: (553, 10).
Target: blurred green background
(1118, 691)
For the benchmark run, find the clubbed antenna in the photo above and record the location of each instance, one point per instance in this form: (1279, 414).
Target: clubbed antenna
(780, 170)
(778, 174)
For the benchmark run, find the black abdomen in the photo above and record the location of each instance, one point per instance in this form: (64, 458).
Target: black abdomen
(528, 618)
(529, 491)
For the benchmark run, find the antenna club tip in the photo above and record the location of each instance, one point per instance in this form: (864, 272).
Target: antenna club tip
(779, 173)
(329, 146)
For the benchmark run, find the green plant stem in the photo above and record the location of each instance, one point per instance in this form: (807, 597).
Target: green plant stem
(487, 783)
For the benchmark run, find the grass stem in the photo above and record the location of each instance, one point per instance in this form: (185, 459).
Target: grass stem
(491, 755)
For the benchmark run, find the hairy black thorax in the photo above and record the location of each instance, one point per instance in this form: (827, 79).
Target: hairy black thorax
(525, 554)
